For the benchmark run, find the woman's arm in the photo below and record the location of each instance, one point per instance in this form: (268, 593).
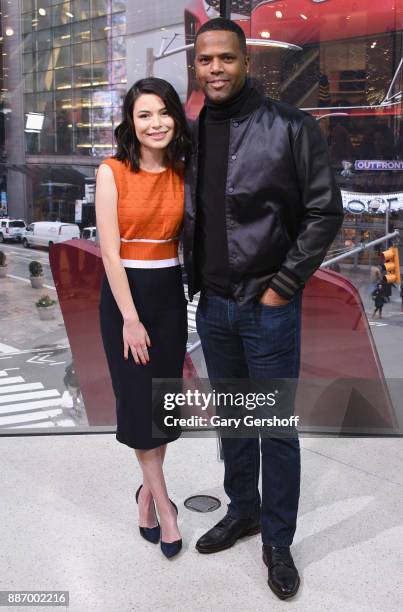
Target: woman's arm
(134, 334)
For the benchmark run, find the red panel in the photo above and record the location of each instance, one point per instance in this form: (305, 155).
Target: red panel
(330, 20)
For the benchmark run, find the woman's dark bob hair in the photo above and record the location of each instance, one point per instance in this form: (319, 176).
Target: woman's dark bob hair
(128, 146)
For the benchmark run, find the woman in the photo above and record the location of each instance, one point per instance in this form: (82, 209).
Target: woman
(143, 314)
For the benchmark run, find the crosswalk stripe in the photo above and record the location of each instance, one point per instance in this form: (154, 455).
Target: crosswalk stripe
(28, 405)
(16, 397)
(24, 387)
(11, 379)
(46, 424)
(31, 413)
(192, 307)
(30, 416)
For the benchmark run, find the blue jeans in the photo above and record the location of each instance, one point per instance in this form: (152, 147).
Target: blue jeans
(256, 341)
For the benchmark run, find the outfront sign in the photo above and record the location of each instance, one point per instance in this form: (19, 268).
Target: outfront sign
(378, 164)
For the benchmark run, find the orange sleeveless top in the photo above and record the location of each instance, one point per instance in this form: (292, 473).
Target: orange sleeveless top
(150, 214)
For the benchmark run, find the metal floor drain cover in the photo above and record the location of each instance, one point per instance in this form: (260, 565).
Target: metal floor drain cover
(202, 503)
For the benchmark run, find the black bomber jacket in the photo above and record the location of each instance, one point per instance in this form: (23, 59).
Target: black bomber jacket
(282, 205)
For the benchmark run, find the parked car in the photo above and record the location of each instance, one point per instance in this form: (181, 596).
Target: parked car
(12, 229)
(89, 233)
(46, 233)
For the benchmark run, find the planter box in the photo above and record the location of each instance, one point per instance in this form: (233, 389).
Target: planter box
(3, 271)
(46, 313)
(36, 281)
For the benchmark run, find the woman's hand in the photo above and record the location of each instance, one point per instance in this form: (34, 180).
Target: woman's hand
(135, 336)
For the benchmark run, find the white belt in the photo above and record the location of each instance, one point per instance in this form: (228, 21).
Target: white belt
(149, 240)
(150, 263)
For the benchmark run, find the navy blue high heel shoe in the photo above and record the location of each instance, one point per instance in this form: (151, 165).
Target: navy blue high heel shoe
(151, 534)
(170, 549)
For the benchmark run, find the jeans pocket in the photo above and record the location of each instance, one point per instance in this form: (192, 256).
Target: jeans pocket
(279, 307)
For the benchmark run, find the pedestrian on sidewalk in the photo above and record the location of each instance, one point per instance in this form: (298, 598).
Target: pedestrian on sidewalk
(378, 295)
(375, 275)
(143, 310)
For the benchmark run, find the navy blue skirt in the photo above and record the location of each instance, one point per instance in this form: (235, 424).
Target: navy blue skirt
(159, 299)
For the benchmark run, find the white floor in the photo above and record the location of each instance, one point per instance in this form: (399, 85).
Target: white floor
(68, 522)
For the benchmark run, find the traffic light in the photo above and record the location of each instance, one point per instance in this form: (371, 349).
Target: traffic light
(392, 265)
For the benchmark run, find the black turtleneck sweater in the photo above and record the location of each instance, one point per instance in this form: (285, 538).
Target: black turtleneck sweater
(214, 129)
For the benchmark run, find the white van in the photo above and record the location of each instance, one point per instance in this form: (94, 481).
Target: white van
(89, 233)
(46, 233)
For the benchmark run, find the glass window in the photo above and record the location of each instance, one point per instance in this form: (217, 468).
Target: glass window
(27, 23)
(63, 78)
(44, 103)
(43, 40)
(100, 27)
(99, 7)
(61, 14)
(81, 9)
(47, 135)
(82, 54)
(27, 5)
(63, 100)
(82, 118)
(118, 5)
(28, 62)
(64, 133)
(62, 57)
(44, 80)
(30, 103)
(81, 31)
(82, 76)
(81, 99)
(44, 60)
(62, 36)
(100, 51)
(28, 42)
(41, 21)
(29, 82)
(102, 97)
(100, 74)
(102, 117)
(83, 136)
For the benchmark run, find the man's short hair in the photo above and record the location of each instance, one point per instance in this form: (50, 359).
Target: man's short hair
(220, 23)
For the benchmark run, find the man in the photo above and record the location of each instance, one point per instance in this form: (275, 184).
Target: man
(262, 208)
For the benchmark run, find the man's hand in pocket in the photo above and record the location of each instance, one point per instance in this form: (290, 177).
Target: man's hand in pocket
(271, 298)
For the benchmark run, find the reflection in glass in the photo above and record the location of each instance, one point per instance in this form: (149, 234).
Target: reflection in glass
(82, 54)
(61, 14)
(62, 57)
(63, 78)
(62, 36)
